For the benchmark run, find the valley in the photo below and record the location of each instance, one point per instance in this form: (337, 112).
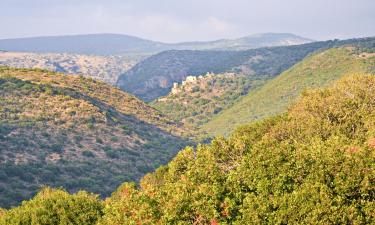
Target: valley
(189, 112)
(318, 70)
(189, 136)
(154, 76)
(321, 150)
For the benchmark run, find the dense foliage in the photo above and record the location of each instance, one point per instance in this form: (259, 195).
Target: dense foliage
(56, 207)
(318, 70)
(76, 133)
(313, 165)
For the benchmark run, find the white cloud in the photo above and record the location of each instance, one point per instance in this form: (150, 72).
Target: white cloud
(182, 20)
(157, 26)
(217, 25)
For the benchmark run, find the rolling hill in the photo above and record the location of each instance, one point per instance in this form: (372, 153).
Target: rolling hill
(198, 99)
(88, 44)
(312, 165)
(118, 44)
(154, 76)
(247, 42)
(77, 133)
(317, 70)
(104, 68)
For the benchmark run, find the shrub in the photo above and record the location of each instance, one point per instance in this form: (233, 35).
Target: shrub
(309, 166)
(55, 206)
(88, 154)
(113, 154)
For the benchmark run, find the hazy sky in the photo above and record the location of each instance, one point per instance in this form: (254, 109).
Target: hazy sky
(187, 20)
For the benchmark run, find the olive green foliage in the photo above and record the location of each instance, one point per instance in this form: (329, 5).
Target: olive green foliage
(317, 70)
(196, 103)
(312, 165)
(130, 207)
(76, 133)
(56, 207)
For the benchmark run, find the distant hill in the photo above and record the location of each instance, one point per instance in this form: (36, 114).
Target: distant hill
(117, 44)
(104, 68)
(95, 44)
(248, 42)
(318, 70)
(154, 76)
(76, 133)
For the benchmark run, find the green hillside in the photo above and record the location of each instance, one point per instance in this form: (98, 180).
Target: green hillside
(194, 103)
(154, 76)
(77, 133)
(312, 165)
(318, 70)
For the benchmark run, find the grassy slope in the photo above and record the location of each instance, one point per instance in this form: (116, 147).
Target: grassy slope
(276, 95)
(76, 133)
(196, 103)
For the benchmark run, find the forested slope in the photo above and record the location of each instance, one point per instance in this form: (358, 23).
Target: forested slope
(312, 165)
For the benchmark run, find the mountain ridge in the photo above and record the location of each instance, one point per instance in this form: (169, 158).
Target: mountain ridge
(114, 44)
(311, 165)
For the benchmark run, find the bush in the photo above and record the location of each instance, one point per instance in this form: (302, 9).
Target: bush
(88, 154)
(55, 206)
(309, 166)
(113, 154)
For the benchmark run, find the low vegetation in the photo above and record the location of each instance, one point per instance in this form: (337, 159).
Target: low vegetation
(195, 103)
(311, 165)
(75, 133)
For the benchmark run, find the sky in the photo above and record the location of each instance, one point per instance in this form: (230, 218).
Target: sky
(183, 20)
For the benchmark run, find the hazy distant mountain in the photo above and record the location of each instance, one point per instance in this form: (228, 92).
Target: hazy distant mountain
(248, 42)
(98, 44)
(105, 68)
(113, 44)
